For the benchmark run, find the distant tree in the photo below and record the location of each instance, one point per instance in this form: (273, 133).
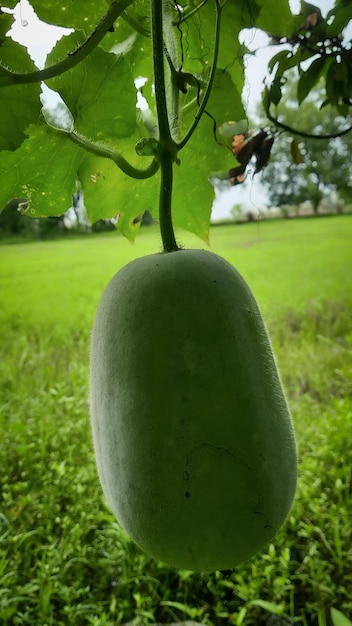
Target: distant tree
(236, 211)
(303, 168)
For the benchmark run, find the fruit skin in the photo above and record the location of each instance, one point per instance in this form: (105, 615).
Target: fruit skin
(193, 438)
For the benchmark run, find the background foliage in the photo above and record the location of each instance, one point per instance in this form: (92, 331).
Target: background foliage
(309, 169)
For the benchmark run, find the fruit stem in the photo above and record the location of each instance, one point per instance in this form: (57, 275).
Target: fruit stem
(168, 152)
(165, 198)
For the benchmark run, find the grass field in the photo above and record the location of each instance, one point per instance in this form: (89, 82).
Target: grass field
(63, 558)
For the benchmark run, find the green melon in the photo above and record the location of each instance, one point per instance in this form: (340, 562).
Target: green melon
(193, 438)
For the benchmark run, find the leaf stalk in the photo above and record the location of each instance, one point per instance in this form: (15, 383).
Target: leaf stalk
(113, 155)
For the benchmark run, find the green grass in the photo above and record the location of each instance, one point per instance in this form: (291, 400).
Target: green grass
(63, 558)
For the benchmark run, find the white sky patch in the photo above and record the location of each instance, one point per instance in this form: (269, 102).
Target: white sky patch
(256, 65)
(38, 37)
(142, 103)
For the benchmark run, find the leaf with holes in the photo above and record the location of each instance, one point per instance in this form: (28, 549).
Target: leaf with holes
(42, 170)
(19, 104)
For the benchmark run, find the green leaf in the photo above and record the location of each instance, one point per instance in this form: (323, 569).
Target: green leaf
(6, 21)
(67, 13)
(330, 83)
(134, 45)
(43, 170)
(275, 90)
(287, 62)
(341, 13)
(295, 151)
(283, 61)
(10, 4)
(193, 198)
(193, 193)
(309, 78)
(19, 104)
(225, 102)
(235, 17)
(109, 193)
(138, 15)
(277, 59)
(274, 18)
(341, 72)
(101, 95)
(339, 83)
(229, 129)
(196, 40)
(137, 50)
(99, 92)
(339, 619)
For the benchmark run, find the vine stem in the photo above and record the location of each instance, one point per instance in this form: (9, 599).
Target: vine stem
(210, 82)
(168, 151)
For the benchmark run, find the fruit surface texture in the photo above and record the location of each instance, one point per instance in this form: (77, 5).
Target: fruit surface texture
(193, 438)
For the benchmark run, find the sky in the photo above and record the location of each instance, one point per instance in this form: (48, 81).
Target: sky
(40, 38)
